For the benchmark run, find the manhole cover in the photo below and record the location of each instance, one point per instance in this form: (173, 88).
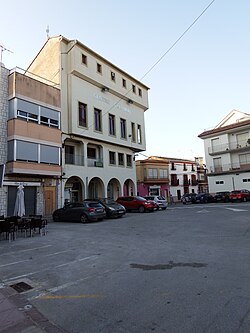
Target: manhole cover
(21, 287)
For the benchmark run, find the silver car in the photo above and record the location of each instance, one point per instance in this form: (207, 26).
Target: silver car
(160, 201)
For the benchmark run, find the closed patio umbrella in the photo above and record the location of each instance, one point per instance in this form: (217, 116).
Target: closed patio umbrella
(19, 209)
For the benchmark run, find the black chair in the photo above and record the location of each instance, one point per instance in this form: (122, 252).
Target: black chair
(8, 228)
(40, 224)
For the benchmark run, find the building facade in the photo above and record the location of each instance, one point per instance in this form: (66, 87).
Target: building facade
(227, 153)
(183, 177)
(102, 119)
(30, 143)
(152, 176)
(167, 177)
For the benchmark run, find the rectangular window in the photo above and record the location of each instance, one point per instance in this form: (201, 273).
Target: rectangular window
(133, 88)
(91, 152)
(242, 139)
(217, 164)
(111, 124)
(152, 173)
(140, 92)
(163, 173)
(184, 167)
(219, 182)
(69, 154)
(49, 154)
(99, 68)
(44, 121)
(139, 138)
(129, 160)
(173, 166)
(124, 83)
(26, 151)
(112, 158)
(244, 159)
(98, 119)
(84, 59)
(27, 116)
(120, 158)
(133, 138)
(112, 76)
(82, 111)
(123, 128)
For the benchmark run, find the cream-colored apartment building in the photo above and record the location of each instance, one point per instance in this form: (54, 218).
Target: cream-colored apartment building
(102, 119)
(227, 153)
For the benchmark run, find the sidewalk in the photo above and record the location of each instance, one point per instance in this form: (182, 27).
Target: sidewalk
(18, 316)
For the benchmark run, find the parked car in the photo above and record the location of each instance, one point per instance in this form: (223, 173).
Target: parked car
(222, 196)
(188, 198)
(239, 195)
(204, 198)
(112, 208)
(160, 201)
(80, 212)
(136, 203)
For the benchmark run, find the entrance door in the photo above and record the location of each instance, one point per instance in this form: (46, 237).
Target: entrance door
(49, 199)
(29, 199)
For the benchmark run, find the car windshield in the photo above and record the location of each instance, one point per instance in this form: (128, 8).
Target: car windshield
(235, 192)
(140, 198)
(160, 198)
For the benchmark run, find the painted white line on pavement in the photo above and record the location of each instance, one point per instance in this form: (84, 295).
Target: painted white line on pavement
(202, 211)
(237, 209)
(63, 286)
(21, 251)
(48, 269)
(55, 253)
(14, 263)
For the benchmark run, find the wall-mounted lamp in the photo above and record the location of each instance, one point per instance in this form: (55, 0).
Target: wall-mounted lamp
(105, 89)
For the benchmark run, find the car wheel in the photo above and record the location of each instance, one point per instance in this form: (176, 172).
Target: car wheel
(141, 209)
(56, 218)
(84, 218)
(164, 208)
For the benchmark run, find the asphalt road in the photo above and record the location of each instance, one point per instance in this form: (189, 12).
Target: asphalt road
(186, 269)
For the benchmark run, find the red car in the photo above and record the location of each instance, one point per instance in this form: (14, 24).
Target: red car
(136, 203)
(239, 195)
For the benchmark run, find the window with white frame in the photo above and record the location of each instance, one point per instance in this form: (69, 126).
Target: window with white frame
(163, 173)
(152, 173)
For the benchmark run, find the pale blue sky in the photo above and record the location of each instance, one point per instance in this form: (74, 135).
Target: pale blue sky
(204, 77)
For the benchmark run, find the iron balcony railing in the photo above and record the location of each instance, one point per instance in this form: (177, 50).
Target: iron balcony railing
(229, 167)
(74, 159)
(224, 148)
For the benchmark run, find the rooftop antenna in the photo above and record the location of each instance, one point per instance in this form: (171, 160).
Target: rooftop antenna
(47, 32)
(2, 49)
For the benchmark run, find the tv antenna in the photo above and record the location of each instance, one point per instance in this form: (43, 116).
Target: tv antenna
(47, 32)
(2, 49)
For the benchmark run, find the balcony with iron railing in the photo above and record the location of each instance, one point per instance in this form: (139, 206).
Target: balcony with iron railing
(229, 147)
(98, 163)
(74, 159)
(174, 182)
(229, 168)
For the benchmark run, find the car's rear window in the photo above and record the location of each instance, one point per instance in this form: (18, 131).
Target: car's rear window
(95, 204)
